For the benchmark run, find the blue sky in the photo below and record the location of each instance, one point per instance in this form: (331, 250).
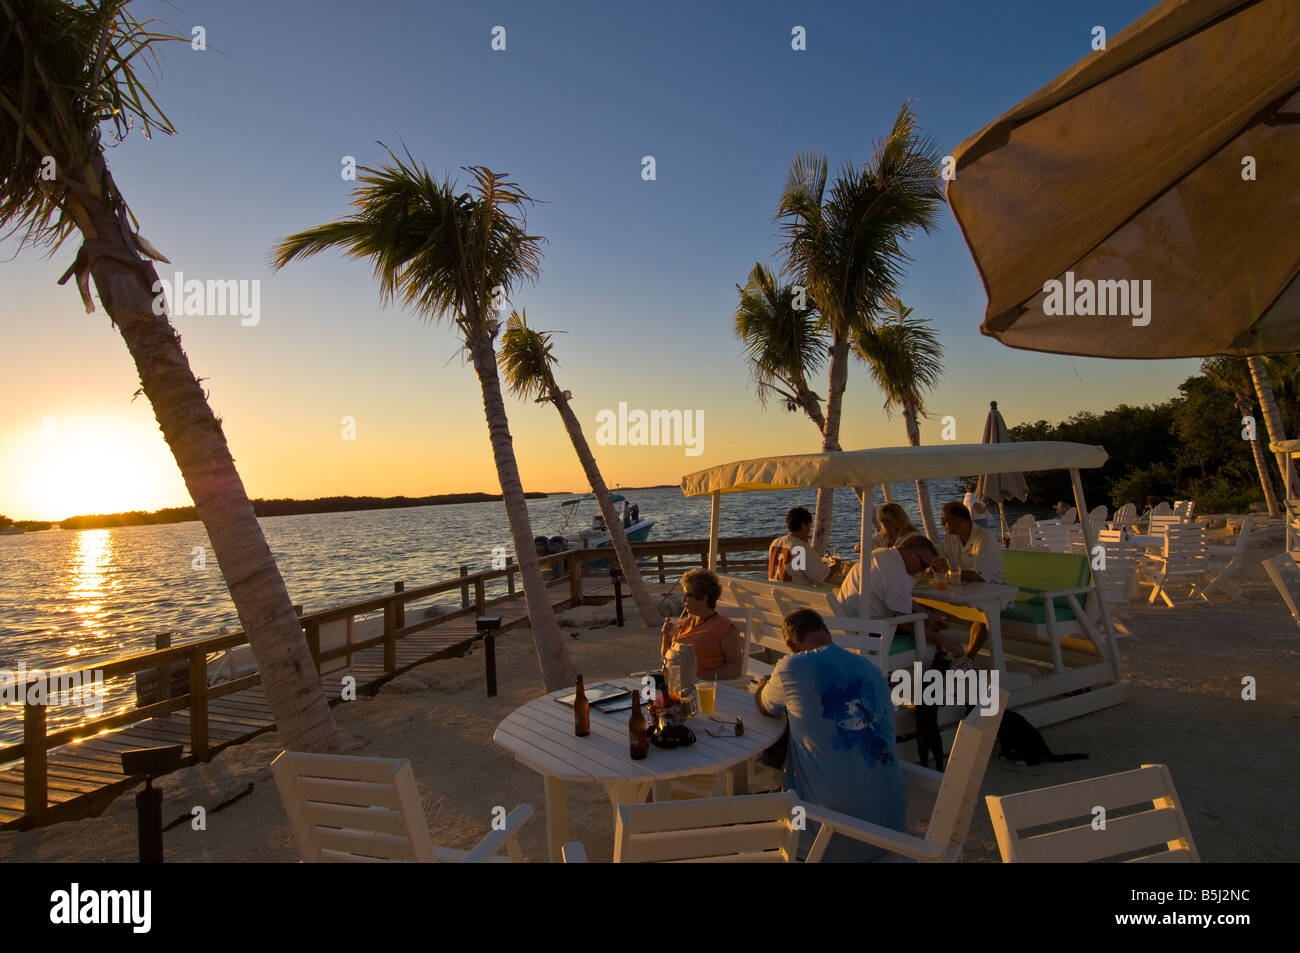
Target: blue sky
(640, 274)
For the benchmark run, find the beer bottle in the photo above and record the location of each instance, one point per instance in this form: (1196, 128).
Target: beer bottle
(581, 712)
(637, 736)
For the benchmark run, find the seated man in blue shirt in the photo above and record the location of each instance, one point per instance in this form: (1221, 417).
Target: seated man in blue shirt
(842, 753)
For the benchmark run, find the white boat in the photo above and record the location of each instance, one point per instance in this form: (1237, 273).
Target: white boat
(596, 534)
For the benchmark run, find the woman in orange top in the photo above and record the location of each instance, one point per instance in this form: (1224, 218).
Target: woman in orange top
(715, 639)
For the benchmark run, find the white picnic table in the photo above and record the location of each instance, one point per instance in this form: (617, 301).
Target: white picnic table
(540, 735)
(983, 598)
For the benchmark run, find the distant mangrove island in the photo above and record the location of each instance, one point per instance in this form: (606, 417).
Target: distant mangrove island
(283, 507)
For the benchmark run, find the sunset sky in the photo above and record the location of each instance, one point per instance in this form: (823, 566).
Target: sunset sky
(640, 274)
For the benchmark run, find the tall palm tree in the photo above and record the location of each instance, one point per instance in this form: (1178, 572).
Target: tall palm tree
(1272, 417)
(448, 255)
(65, 68)
(845, 248)
(527, 363)
(906, 360)
(1234, 375)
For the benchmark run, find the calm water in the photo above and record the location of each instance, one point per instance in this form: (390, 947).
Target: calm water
(69, 598)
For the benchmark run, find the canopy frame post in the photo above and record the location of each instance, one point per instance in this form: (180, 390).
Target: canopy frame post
(1089, 541)
(715, 512)
(888, 493)
(1286, 510)
(864, 543)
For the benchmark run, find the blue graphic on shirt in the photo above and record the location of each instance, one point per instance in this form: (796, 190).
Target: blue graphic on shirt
(855, 726)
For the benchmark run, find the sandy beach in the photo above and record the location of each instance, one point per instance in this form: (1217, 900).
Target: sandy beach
(1232, 760)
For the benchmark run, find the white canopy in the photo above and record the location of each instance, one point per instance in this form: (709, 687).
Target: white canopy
(890, 465)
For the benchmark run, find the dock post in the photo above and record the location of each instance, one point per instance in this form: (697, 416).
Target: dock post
(35, 784)
(616, 576)
(510, 575)
(390, 637)
(662, 577)
(464, 589)
(400, 586)
(163, 673)
(488, 625)
(199, 704)
(575, 580)
(313, 643)
(479, 596)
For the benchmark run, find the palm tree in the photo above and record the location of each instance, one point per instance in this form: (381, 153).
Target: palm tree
(905, 359)
(1272, 417)
(448, 255)
(65, 68)
(1234, 375)
(845, 248)
(784, 343)
(526, 361)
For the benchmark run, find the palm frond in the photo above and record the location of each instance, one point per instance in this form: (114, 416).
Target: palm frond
(526, 360)
(903, 355)
(65, 69)
(442, 252)
(783, 345)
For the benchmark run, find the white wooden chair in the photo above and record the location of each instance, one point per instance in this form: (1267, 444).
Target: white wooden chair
(1118, 581)
(1097, 514)
(1124, 517)
(1182, 560)
(1070, 516)
(1162, 509)
(956, 791)
(761, 827)
(1224, 561)
(1051, 537)
(1183, 509)
(1160, 829)
(350, 809)
(1022, 532)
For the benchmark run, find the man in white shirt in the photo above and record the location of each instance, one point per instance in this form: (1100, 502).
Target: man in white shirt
(891, 589)
(976, 553)
(791, 558)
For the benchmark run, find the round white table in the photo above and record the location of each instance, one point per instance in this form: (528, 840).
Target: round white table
(540, 735)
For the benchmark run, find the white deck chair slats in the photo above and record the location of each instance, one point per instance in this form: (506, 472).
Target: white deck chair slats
(1097, 514)
(1051, 537)
(1183, 561)
(754, 827)
(1070, 516)
(954, 806)
(1125, 517)
(1160, 825)
(1022, 532)
(1224, 561)
(1162, 509)
(362, 810)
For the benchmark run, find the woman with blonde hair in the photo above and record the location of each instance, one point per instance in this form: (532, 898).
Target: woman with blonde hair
(896, 527)
(716, 640)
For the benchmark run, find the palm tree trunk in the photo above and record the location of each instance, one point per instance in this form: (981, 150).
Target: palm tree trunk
(192, 431)
(552, 654)
(839, 376)
(1265, 475)
(645, 606)
(1272, 420)
(922, 487)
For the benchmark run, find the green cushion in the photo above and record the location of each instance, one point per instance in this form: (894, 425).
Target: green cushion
(903, 642)
(1045, 572)
(1035, 613)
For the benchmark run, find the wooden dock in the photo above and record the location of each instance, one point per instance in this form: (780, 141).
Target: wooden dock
(76, 772)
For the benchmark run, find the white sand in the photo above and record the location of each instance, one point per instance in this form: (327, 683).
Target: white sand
(1233, 761)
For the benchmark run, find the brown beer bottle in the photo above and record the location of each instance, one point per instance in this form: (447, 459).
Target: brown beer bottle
(637, 736)
(581, 712)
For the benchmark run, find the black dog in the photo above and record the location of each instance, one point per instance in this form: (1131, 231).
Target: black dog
(1020, 741)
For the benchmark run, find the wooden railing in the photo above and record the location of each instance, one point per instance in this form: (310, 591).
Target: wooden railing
(38, 741)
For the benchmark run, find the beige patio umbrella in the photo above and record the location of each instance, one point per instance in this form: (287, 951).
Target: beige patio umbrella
(1144, 204)
(999, 486)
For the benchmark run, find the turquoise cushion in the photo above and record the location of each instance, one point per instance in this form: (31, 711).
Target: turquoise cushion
(1035, 613)
(903, 642)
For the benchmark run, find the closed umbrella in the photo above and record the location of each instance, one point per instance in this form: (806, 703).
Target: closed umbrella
(1144, 203)
(999, 486)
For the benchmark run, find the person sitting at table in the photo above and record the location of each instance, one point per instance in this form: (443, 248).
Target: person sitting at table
(719, 649)
(896, 527)
(979, 511)
(891, 589)
(976, 553)
(791, 558)
(842, 753)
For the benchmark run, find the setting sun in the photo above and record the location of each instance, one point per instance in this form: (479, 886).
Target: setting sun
(67, 467)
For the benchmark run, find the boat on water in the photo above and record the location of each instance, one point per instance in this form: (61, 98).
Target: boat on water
(595, 535)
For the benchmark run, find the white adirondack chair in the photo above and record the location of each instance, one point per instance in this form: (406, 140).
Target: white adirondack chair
(1071, 516)
(760, 827)
(1183, 560)
(1097, 515)
(1022, 532)
(1162, 509)
(1224, 561)
(1125, 517)
(350, 809)
(1183, 509)
(1161, 828)
(1051, 537)
(1118, 581)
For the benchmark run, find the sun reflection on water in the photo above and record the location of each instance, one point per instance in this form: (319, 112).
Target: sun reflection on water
(88, 580)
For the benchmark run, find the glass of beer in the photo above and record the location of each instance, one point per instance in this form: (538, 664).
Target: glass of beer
(707, 693)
